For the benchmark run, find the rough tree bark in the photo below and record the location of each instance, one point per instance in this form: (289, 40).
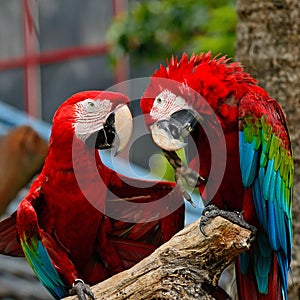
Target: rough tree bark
(186, 267)
(268, 39)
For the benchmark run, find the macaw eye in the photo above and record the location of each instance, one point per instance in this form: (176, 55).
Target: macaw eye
(158, 100)
(91, 104)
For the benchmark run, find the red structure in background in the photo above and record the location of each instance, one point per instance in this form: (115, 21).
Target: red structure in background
(32, 58)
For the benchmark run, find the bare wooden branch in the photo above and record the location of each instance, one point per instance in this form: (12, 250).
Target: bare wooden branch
(186, 267)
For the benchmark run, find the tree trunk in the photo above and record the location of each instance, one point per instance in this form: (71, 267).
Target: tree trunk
(268, 40)
(186, 267)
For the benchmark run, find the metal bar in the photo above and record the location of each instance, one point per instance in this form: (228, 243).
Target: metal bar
(31, 76)
(54, 56)
(121, 70)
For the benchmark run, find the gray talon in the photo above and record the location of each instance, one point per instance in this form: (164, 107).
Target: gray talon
(192, 178)
(235, 217)
(82, 290)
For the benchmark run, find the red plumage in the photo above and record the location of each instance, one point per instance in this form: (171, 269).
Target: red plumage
(65, 207)
(229, 104)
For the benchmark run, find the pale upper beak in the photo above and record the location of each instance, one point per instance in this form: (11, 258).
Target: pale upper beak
(123, 128)
(169, 134)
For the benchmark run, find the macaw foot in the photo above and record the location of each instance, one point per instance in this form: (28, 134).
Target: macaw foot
(81, 289)
(235, 217)
(192, 178)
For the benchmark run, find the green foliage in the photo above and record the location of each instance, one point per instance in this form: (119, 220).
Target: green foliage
(155, 29)
(162, 168)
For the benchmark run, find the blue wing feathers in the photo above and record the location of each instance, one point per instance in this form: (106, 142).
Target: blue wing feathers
(283, 265)
(273, 236)
(278, 192)
(264, 245)
(261, 175)
(267, 168)
(266, 187)
(260, 205)
(263, 169)
(272, 187)
(244, 262)
(262, 262)
(41, 263)
(249, 158)
(282, 232)
(263, 266)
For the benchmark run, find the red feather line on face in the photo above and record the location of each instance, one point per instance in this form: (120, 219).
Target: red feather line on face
(215, 78)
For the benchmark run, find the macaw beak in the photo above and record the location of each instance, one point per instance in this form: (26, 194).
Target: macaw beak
(123, 128)
(116, 131)
(169, 134)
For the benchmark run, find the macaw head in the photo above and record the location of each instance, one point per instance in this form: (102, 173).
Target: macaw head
(99, 119)
(188, 91)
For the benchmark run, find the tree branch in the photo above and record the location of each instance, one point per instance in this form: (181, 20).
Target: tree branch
(188, 266)
(23, 153)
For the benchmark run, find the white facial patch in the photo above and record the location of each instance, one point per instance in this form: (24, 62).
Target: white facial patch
(90, 116)
(165, 104)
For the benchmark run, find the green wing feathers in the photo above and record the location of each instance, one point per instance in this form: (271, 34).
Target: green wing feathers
(35, 251)
(267, 168)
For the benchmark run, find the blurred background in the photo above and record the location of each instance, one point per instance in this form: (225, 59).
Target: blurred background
(50, 50)
(53, 49)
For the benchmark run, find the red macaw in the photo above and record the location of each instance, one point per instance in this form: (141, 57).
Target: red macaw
(216, 102)
(81, 222)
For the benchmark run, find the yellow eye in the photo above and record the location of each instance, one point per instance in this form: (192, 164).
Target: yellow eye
(91, 104)
(158, 100)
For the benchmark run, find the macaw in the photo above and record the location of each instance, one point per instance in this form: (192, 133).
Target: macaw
(81, 222)
(214, 105)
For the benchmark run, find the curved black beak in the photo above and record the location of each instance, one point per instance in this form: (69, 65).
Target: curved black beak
(104, 138)
(115, 133)
(170, 134)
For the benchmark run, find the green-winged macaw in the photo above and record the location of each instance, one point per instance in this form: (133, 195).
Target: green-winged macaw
(81, 222)
(222, 108)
